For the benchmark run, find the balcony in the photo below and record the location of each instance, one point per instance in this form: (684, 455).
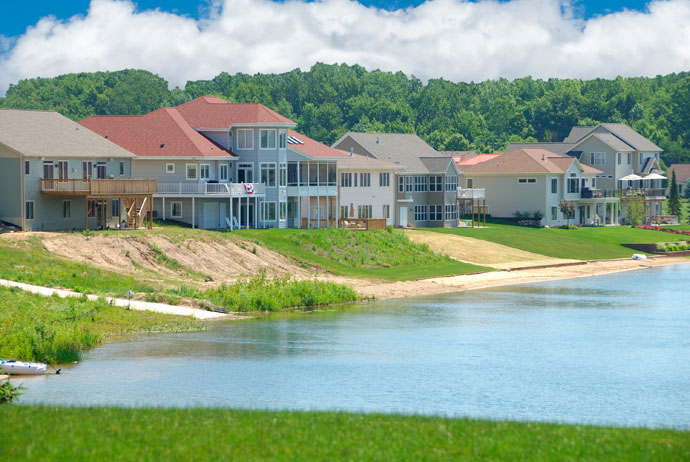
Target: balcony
(473, 194)
(99, 187)
(212, 189)
(647, 193)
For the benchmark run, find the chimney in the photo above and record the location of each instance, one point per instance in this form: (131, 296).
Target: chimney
(543, 157)
(378, 140)
(351, 153)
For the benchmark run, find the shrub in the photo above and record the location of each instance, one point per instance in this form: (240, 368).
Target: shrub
(9, 392)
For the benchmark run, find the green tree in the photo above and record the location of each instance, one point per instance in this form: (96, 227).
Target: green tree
(636, 211)
(567, 208)
(674, 203)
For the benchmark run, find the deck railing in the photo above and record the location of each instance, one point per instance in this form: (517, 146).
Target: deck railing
(479, 193)
(588, 193)
(217, 189)
(99, 187)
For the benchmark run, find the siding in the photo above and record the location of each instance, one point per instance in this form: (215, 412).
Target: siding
(10, 190)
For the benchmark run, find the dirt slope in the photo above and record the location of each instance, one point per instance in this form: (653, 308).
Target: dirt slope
(481, 252)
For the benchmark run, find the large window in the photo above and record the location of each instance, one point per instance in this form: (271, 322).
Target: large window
(176, 209)
(452, 183)
(245, 138)
(29, 210)
(573, 185)
(268, 173)
(435, 183)
(364, 211)
(191, 172)
(268, 211)
(345, 179)
(597, 158)
(267, 137)
(420, 213)
(66, 209)
(86, 169)
(420, 183)
(364, 180)
(554, 185)
(223, 172)
(384, 179)
(451, 212)
(344, 211)
(245, 173)
(435, 213)
(204, 171)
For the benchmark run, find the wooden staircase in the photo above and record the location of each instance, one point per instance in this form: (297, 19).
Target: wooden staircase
(136, 210)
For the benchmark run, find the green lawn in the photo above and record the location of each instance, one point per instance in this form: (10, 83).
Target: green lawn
(375, 254)
(89, 434)
(579, 244)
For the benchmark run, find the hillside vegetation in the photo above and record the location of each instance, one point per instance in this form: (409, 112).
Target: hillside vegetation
(329, 100)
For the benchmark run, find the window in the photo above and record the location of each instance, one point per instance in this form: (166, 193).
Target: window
(384, 179)
(386, 211)
(364, 180)
(122, 168)
(364, 211)
(245, 138)
(419, 183)
(435, 183)
(344, 211)
(86, 169)
(169, 168)
(345, 180)
(451, 212)
(245, 173)
(268, 174)
(268, 211)
(91, 208)
(223, 172)
(597, 158)
(66, 209)
(27, 167)
(282, 137)
(573, 185)
(332, 174)
(629, 158)
(267, 137)
(408, 183)
(619, 158)
(293, 171)
(176, 209)
(100, 170)
(401, 184)
(554, 185)
(204, 171)
(283, 211)
(527, 180)
(354, 177)
(420, 213)
(191, 172)
(29, 210)
(283, 174)
(554, 213)
(435, 213)
(452, 183)
(115, 207)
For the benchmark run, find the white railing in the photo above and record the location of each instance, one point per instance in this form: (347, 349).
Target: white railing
(215, 189)
(471, 193)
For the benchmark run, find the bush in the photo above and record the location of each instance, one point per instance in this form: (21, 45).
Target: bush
(9, 392)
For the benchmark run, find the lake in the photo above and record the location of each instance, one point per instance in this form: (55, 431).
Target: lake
(611, 349)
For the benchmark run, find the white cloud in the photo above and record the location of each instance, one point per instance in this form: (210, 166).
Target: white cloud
(454, 39)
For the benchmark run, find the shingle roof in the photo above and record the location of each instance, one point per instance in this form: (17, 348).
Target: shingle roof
(478, 159)
(365, 162)
(621, 131)
(163, 132)
(313, 148)
(532, 161)
(577, 133)
(404, 149)
(558, 148)
(613, 141)
(682, 172)
(436, 164)
(49, 134)
(209, 112)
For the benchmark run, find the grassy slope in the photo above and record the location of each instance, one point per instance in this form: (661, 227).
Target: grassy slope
(34, 328)
(78, 434)
(579, 244)
(359, 254)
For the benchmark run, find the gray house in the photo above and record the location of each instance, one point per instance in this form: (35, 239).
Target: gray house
(57, 175)
(426, 182)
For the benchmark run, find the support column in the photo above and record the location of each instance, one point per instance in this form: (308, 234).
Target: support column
(193, 213)
(86, 212)
(337, 211)
(308, 211)
(150, 211)
(246, 213)
(230, 200)
(256, 214)
(299, 211)
(163, 207)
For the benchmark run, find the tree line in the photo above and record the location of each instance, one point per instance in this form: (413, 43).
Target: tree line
(328, 100)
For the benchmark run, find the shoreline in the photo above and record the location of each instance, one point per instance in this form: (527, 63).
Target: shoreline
(382, 290)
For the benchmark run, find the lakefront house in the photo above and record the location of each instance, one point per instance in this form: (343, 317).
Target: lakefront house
(57, 175)
(229, 165)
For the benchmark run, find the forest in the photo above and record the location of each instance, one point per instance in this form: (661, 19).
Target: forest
(330, 99)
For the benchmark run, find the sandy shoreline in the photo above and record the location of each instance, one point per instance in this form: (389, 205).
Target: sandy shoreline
(442, 285)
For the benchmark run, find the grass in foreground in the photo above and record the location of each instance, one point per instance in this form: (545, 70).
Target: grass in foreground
(579, 244)
(371, 254)
(34, 328)
(76, 434)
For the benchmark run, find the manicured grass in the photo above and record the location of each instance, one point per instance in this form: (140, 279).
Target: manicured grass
(370, 254)
(34, 328)
(579, 244)
(86, 434)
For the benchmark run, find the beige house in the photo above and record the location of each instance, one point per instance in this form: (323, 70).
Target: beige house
(535, 181)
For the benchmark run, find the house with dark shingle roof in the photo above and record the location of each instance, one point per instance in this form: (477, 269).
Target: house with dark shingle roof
(682, 177)
(57, 175)
(426, 181)
(229, 165)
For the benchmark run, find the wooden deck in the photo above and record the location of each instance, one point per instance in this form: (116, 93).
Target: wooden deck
(99, 187)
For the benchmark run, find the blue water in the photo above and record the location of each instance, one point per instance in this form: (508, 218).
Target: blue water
(609, 349)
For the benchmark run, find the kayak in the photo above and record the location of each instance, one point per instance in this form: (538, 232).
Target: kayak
(21, 368)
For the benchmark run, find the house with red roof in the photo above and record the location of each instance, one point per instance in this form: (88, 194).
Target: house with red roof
(229, 165)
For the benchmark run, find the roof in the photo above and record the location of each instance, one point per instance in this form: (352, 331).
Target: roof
(403, 149)
(558, 148)
(359, 162)
(313, 148)
(437, 164)
(682, 172)
(621, 131)
(526, 161)
(49, 134)
(478, 159)
(613, 141)
(163, 132)
(210, 112)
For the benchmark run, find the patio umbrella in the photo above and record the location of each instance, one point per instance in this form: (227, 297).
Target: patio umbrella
(631, 177)
(654, 176)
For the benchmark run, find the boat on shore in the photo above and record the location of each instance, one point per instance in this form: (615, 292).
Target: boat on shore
(13, 367)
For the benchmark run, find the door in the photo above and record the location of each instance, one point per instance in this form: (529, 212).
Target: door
(210, 215)
(403, 217)
(63, 171)
(100, 170)
(582, 214)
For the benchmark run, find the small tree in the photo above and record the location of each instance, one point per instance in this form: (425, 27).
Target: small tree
(674, 205)
(567, 208)
(636, 211)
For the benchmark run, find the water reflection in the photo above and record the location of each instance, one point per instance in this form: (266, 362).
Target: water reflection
(610, 349)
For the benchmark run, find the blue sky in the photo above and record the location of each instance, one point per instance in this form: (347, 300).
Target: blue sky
(18, 15)
(459, 40)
